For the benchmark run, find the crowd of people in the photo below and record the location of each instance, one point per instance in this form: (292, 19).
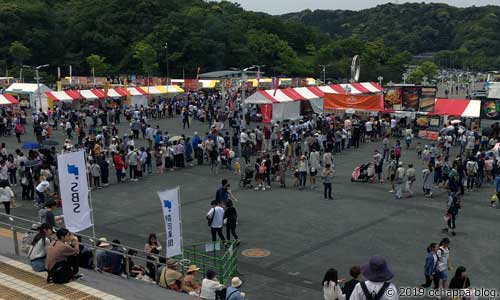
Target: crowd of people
(289, 154)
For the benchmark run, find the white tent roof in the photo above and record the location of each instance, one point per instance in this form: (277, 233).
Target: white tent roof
(26, 88)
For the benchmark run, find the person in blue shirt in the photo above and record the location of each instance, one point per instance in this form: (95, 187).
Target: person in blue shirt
(497, 189)
(233, 292)
(430, 268)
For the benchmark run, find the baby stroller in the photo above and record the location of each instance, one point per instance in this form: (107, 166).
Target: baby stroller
(246, 178)
(360, 173)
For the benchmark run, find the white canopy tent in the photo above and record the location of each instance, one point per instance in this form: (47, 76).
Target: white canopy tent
(30, 89)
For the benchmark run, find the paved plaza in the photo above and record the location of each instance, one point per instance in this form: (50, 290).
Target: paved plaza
(305, 234)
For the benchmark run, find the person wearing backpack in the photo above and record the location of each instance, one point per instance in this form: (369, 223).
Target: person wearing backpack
(471, 169)
(378, 285)
(38, 248)
(59, 264)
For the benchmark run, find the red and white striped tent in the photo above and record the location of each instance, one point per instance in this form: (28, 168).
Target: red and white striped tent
(117, 92)
(312, 92)
(286, 102)
(92, 94)
(8, 99)
(457, 108)
(64, 96)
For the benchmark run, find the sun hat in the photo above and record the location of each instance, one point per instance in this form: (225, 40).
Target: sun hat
(171, 262)
(236, 282)
(192, 268)
(377, 270)
(103, 242)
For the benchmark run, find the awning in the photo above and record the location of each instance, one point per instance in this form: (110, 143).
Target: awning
(117, 93)
(169, 89)
(312, 92)
(357, 102)
(457, 108)
(137, 91)
(64, 96)
(8, 99)
(92, 94)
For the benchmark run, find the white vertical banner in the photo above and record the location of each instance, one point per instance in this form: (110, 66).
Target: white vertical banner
(74, 190)
(170, 204)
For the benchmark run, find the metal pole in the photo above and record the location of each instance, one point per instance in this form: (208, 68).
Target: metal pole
(94, 257)
(38, 88)
(166, 57)
(244, 110)
(14, 237)
(180, 221)
(93, 75)
(324, 75)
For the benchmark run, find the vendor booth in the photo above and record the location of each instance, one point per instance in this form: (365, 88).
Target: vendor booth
(286, 103)
(28, 93)
(8, 100)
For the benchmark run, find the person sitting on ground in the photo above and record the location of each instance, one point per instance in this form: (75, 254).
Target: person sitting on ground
(46, 214)
(210, 286)
(116, 258)
(61, 262)
(102, 256)
(170, 278)
(38, 249)
(189, 283)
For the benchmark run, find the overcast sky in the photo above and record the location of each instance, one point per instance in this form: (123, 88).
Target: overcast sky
(284, 6)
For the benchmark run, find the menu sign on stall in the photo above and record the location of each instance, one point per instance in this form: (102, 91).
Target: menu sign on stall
(410, 98)
(392, 99)
(428, 99)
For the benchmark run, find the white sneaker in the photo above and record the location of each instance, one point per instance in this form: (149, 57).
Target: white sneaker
(263, 188)
(257, 188)
(391, 191)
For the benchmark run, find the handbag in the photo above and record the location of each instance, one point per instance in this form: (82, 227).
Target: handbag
(210, 219)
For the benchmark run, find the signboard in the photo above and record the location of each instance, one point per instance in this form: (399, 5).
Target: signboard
(490, 109)
(428, 99)
(393, 98)
(191, 84)
(74, 190)
(410, 98)
(170, 204)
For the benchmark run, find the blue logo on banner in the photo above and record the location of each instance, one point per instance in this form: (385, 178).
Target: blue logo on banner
(72, 169)
(167, 204)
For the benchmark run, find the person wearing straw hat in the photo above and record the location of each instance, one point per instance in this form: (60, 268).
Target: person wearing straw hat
(233, 292)
(378, 285)
(189, 283)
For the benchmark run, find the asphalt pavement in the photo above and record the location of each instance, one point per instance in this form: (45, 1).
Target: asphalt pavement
(305, 234)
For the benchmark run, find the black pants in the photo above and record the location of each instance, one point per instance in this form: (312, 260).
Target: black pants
(133, 171)
(231, 228)
(327, 190)
(97, 181)
(470, 182)
(429, 280)
(119, 175)
(74, 264)
(215, 232)
(451, 221)
(41, 197)
(7, 208)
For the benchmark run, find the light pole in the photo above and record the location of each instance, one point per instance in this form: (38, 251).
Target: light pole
(258, 72)
(405, 76)
(166, 58)
(380, 78)
(37, 77)
(323, 68)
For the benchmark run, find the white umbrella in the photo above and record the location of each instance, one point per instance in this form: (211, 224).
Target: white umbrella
(455, 122)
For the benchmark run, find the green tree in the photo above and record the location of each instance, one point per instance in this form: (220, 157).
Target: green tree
(98, 63)
(429, 69)
(416, 76)
(146, 54)
(19, 52)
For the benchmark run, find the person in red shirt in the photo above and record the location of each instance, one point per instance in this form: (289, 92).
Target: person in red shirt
(119, 165)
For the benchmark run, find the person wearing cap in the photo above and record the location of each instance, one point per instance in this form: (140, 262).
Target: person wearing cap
(233, 292)
(377, 285)
(170, 278)
(189, 283)
(102, 257)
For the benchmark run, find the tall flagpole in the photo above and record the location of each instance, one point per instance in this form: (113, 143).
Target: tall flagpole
(94, 257)
(180, 220)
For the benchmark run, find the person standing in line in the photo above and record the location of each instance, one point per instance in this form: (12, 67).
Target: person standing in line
(427, 180)
(132, 163)
(431, 263)
(215, 217)
(443, 254)
(302, 166)
(410, 179)
(231, 217)
(379, 165)
(327, 175)
(6, 197)
(399, 179)
(331, 287)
